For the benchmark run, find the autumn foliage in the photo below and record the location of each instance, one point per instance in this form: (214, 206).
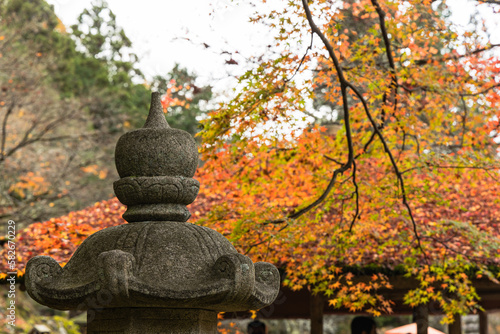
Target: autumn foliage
(457, 231)
(407, 184)
(407, 181)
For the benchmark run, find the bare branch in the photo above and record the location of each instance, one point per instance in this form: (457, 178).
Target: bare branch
(429, 166)
(464, 121)
(302, 60)
(39, 137)
(4, 131)
(367, 144)
(388, 49)
(332, 159)
(484, 91)
(493, 2)
(455, 57)
(356, 194)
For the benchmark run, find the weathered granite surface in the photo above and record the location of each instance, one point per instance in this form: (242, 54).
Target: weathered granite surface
(153, 264)
(156, 165)
(156, 149)
(157, 320)
(157, 274)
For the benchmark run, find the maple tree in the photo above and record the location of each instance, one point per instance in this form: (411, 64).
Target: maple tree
(419, 105)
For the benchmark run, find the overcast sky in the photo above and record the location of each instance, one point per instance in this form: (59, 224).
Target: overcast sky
(157, 29)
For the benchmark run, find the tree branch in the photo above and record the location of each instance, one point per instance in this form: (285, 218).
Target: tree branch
(482, 91)
(4, 131)
(428, 166)
(356, 194)
(455, 57)
(464, 121)
(334, 160)
(343, 86)
(344, 83)
(392, 65)
(388, 49)
(494, 2)
(302, 60)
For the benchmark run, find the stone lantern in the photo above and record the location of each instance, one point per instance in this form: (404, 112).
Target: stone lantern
(158, 273)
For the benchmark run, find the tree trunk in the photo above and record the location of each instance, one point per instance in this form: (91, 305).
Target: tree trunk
(316, 310)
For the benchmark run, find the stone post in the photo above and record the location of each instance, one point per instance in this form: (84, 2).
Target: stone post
(483, 322)
(456, 326)
(316, 307)
(421, 317)
(158, 273)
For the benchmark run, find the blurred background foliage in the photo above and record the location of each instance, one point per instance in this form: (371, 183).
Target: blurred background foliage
(66, 95)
